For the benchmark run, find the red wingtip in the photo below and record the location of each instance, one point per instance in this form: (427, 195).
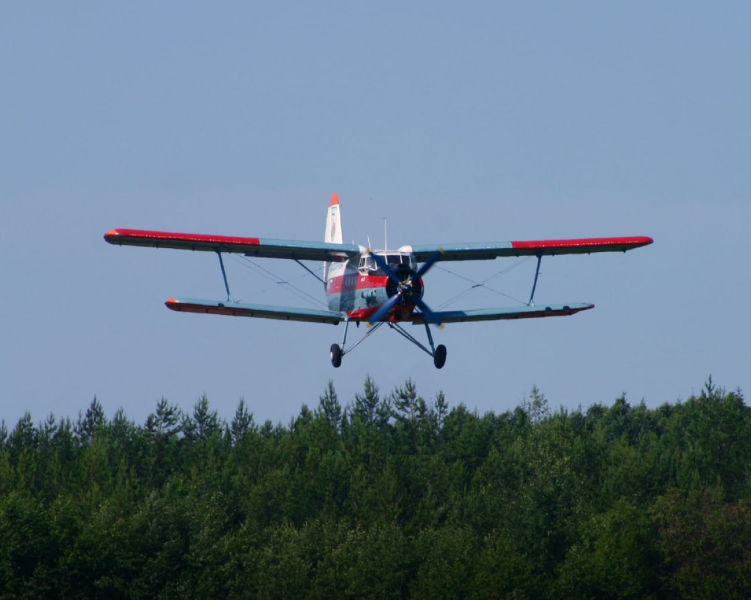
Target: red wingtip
(334, 199)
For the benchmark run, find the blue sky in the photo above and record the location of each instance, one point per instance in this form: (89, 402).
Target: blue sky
(489, 122)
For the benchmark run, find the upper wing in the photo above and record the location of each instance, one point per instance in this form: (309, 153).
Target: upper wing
(240, 309)
(494, 314)
(263, 247)
(490, 250)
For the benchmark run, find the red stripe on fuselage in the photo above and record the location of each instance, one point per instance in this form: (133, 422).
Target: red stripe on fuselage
(352, 282)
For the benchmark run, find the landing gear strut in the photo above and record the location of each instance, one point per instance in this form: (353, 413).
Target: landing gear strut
(437, 352)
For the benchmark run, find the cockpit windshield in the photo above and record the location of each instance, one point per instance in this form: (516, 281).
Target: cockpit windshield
(395, 260)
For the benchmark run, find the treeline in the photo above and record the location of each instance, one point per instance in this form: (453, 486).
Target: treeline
(388, 496)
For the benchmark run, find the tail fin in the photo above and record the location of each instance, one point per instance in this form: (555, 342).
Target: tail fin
(333, 232)
(333, 222)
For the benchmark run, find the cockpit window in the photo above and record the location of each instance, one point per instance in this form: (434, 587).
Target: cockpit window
(369, 266)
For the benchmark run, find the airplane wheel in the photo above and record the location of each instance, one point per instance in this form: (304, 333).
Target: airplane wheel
(439, 358)
(336, 355)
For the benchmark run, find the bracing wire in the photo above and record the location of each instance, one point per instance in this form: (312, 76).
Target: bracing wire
(302, 294)
(292, 288)
(482, 284)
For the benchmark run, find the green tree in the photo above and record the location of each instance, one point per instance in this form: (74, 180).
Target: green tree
(614, 557)
(705, 544)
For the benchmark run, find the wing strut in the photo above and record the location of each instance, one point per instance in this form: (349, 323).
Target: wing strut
(534, 285)
(311, 272)
(224, 276)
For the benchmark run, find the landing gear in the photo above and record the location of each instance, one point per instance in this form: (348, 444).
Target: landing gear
(439, 356)
(437, 352)
(336, 355)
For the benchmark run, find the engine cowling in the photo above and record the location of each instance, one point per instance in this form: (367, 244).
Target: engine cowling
(409, 287)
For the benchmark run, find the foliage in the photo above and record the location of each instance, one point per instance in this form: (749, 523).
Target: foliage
(390, 496)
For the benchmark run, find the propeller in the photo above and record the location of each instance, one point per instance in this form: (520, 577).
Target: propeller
(407, 289)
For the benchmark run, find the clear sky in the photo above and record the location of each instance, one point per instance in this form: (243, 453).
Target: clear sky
(455, 121)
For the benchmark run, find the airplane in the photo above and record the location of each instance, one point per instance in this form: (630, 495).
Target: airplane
(375, 287)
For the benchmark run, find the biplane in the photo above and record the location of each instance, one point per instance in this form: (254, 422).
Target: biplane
(375, 287)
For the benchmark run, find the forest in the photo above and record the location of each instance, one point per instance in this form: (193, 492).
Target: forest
(388, 495)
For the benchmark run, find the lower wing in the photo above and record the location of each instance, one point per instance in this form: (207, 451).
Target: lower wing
(495, 314)
(261, 311)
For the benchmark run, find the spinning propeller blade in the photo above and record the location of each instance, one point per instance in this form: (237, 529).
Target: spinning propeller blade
(429, 314)
(429, 263)
(402, 285)
(384, 310)
(384, 266)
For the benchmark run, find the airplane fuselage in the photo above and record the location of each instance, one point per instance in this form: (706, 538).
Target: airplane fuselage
(360, 289)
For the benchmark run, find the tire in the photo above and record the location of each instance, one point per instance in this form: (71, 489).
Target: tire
(336, 355)
(439, 358)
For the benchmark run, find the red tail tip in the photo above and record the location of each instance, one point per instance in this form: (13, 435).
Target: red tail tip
(334, 199)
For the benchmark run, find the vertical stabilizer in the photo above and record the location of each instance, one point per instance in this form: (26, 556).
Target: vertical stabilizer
(333, 232)
(333, 222)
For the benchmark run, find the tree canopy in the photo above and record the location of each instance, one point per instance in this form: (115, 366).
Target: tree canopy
(387, 496)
